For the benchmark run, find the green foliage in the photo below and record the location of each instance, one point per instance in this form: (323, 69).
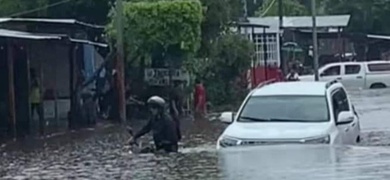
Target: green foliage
(366, 16)
(223, 56)
(167, 27)
(16, 6)
(231, 56)
(218, 16)
(290, 8)
(230, 59)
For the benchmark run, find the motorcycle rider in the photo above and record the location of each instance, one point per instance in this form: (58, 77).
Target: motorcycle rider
(163, 127)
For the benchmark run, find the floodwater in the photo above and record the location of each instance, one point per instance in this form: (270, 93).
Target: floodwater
(104, 155)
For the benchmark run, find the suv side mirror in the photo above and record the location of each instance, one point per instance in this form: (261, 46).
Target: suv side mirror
(227, 117)
(345, 117)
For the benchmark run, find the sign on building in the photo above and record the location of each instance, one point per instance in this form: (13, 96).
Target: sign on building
(160, 76)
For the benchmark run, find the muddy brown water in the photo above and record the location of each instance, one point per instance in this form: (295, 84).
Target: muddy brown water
(103, 155)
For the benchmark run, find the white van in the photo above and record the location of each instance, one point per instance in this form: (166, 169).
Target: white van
(367, 75)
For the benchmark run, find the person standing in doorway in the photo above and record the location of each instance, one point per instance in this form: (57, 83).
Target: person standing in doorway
(36, 100)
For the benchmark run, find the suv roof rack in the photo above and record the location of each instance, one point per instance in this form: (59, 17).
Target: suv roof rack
(330, 83)
(268, 82)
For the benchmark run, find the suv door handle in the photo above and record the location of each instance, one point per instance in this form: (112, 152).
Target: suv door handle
(339, 78)
(359, 77)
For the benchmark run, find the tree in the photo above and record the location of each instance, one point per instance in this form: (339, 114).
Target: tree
(93, 11)
(230, 58)
(290, 8)
(366, 16)
(165, 30)
(219, 14)
(16, 6)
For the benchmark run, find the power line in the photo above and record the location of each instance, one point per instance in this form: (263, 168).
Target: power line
(39, 8)
(268, 8)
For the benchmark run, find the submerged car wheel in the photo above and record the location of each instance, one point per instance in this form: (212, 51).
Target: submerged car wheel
(377, 86)
(358, 139)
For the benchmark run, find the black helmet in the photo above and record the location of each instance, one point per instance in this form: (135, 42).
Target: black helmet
(156, 101)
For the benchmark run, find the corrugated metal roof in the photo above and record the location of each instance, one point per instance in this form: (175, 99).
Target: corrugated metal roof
(378, 37)
(26, 35)
(301, 21)
(39, 36)
(89, 42)
(41, 20)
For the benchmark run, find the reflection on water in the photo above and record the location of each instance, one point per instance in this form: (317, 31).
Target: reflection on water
(268, 162)
(306, 162)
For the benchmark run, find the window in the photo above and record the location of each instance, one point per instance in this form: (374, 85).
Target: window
(339, 102)
(271, 44)
(379, 67)
(286, 108)
(332, 71)
(352, 69)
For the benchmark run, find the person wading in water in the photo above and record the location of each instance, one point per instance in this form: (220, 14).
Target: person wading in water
(161, 124)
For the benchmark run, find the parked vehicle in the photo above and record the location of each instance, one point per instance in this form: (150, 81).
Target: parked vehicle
(367, 75)
(293, 112)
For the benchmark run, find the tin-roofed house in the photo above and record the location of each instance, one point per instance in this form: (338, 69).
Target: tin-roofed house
(297, 29)
(61, 51)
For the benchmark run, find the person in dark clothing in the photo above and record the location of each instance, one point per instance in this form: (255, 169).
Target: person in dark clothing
(293, 74)
(162, 126)
(175, 105)
(177, 96)
(175, 117)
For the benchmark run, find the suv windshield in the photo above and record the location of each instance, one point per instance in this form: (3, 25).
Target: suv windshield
(285, 109)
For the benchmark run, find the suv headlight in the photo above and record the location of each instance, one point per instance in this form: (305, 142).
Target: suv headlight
(320, 140)
(229, 141)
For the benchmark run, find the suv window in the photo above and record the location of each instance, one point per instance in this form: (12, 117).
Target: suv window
(332, 71)
(340, 102)
(379, 67)
(289, 108)
(352, 69)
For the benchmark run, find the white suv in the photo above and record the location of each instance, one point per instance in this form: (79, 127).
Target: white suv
(293, 112)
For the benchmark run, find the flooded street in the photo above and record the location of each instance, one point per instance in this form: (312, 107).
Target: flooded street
(103, 155)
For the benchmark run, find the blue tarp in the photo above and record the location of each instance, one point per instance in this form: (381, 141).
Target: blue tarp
(89, 60)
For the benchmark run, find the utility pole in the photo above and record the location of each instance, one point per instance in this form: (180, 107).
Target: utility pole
(315, 43)
(283, 63)
(245, 15)
(120, 69)
(245, 8)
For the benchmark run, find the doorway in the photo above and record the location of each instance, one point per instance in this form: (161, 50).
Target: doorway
(3, 91)
(21, 87)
